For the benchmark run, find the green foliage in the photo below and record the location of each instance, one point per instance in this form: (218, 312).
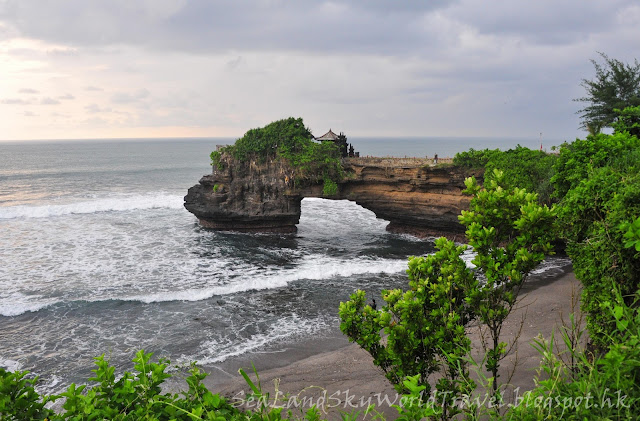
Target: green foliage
(425, 326)
(330, 188)
(314, 162)
(522, 167)
(606, 387)
(138, 395)
(628, 121)
(474, 159)
(289, 134)
(18, 398)
(578, 159)
(616, 86)
(216, 160)
(216, 187)
(631, 234)
(601, 178)
(511, 234)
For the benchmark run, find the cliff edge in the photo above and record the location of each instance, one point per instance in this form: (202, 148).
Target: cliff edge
(412, 195)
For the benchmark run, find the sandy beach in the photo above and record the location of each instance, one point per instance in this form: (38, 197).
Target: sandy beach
(345, 379)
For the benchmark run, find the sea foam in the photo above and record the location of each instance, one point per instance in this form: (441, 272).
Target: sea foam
(110, 204)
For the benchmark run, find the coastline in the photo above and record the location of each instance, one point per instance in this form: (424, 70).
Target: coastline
(331, 372)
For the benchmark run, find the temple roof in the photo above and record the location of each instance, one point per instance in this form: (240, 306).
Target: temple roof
(328, 136)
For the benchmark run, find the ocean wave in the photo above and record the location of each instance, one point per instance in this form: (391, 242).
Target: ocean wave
(312, 269)
(111, 204)
(284, 330)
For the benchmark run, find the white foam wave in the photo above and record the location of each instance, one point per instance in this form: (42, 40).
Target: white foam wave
(10, 365)
(16, 304)
(111, 204)
(313, 269)
(551, 264)
(285, 329)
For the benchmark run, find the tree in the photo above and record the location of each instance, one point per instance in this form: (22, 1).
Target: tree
(615, 87)
(425, 326)
(510, 232)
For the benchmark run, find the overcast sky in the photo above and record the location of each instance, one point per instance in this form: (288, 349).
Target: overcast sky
(167, 68)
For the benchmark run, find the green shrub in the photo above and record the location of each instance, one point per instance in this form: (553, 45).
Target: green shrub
(425, 326)
(579, 158)
(216, 162)
(522, 167)
(596, 216)
(474, 159)
(18, 398)
(330, 187)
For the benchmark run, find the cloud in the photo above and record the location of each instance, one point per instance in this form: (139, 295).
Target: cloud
(49, 101)
(125, 98)
(201, 25)
(28, 91)
(14, 101)
(63, 52)
(450, 67)
(95, 108)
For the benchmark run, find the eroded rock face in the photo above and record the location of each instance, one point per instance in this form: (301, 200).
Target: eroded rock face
(415, 198)
(246, 197)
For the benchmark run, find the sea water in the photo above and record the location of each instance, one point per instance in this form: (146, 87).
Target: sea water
(98, 255)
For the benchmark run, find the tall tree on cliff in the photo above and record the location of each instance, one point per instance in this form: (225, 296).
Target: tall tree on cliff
(616, 86)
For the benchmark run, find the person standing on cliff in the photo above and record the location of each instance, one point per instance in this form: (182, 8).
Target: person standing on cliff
(435, 159)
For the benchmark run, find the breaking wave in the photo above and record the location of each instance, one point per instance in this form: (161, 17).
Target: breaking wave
(112, 204)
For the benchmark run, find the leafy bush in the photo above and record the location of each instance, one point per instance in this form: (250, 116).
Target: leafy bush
(628, 121)
(522, 167)
(289, 134)
(18, 398)
(601, 176)
(473, 158)
(425, 326)
(579, 158)
(510, 233)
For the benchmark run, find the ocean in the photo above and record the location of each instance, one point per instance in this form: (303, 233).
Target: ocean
(98, 255)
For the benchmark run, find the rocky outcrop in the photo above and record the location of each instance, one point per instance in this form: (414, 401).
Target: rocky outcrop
(415, 197)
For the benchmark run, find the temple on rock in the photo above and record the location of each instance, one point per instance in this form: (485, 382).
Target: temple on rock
(346, 149)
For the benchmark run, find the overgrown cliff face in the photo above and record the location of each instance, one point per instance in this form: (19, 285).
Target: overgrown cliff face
(414, 197)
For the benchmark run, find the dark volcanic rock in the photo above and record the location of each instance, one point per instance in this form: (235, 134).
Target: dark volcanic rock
(246, 196)
(415, 198)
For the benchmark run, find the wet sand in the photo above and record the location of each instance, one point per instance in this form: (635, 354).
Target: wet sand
(341, 377)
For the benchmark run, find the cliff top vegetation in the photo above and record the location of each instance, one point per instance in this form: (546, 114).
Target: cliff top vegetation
(288, 139)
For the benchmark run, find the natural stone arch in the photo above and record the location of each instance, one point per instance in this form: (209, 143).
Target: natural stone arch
(414, 197)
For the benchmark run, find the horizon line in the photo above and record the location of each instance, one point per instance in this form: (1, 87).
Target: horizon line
(238, 137)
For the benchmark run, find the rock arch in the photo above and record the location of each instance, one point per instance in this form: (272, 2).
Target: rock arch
(413, 196)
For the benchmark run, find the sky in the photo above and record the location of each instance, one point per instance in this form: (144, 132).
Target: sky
(195, 68)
